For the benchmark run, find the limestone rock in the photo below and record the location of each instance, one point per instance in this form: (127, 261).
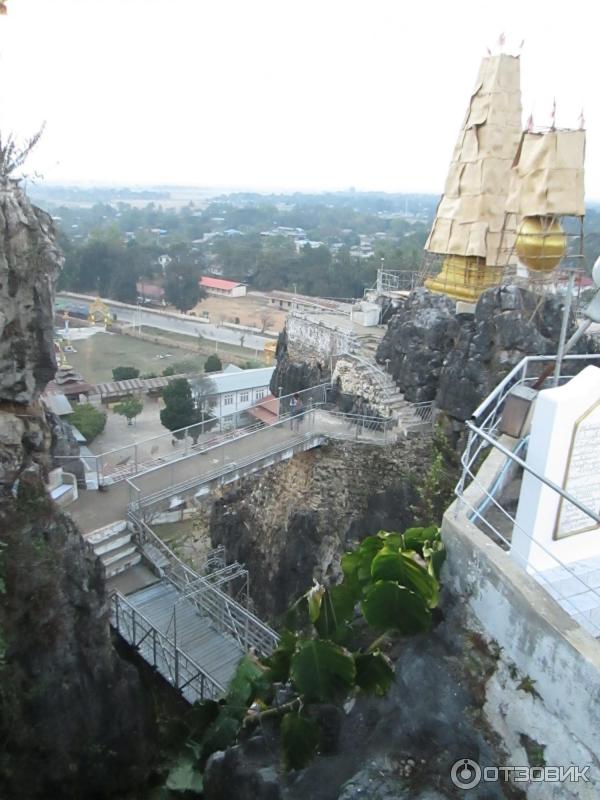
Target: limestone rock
(72, 718)
(30, 261)
(456, 360)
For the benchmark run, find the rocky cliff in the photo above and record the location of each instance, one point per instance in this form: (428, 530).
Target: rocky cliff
(72, 722)
(457, 359)
(292, 522)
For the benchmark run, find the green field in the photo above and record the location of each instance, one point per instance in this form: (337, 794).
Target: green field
(97, 356)
(241, 355)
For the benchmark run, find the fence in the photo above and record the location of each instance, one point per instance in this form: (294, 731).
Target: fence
(226, 614)
(162, 652)
(489, 467)
(258, 445)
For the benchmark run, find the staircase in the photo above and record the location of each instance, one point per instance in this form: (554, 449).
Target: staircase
(114, 547)
(389, 398)
(216, 653)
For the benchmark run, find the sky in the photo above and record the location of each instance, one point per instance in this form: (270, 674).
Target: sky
(279, 94)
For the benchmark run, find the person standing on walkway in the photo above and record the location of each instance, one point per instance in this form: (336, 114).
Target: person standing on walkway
(296, 411)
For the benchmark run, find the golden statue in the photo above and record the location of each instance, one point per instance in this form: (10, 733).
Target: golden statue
(100, 308)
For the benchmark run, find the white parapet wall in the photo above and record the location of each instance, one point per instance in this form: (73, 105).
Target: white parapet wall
(545, 687)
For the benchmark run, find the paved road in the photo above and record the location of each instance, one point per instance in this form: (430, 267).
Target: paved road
(95, 509)
(175, 323)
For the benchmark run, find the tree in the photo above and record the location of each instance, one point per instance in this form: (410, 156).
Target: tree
(182, 288)
(180, 410)
(88, 420)
(125, 373)
(129, 408)
(168, 371)
(330, 649)
(213, 363)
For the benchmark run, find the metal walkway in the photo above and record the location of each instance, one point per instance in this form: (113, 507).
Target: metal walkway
(185, 625)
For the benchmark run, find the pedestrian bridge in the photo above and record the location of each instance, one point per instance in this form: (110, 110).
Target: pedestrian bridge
(164, 488)
(184, 624)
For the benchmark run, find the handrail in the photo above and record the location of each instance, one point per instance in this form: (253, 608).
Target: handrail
(521, 367)
(213, 601)
(382, 377)
(175, 660)
(232, 466)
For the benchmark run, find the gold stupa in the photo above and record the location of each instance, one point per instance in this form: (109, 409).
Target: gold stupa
(470, 216)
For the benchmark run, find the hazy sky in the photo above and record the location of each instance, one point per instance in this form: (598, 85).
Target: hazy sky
(279, 93)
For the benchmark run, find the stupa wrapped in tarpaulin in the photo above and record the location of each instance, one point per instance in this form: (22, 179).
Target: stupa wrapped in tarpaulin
(545, 206)
(547, 178)
(469, 219)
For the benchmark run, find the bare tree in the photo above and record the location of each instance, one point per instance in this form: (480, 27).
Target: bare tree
(13, 156)
(266, 319)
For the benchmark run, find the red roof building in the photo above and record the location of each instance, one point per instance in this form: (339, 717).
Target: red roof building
(219, 286)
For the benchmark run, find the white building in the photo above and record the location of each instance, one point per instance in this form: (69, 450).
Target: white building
(230, 394)
(222, 287)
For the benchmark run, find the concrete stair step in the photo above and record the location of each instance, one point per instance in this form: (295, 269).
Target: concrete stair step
(100, 534)
(154, 555)
(112, 542)
(123, 563)
(117, 554)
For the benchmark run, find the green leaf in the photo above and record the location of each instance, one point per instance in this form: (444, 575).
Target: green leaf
(435, 555)
(374, 672)
(249, 682)
(414, 538)
(400, 567)
(389, 606)
(300, 739)
(356, 565)
(278, 663)
(221, 733)
(337, 609)
(183, 777)
(322, 670)
(314, 596)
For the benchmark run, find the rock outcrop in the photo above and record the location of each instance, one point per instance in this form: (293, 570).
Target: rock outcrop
(296, 370)
(455, 360)
(292, 522)
(72, 720)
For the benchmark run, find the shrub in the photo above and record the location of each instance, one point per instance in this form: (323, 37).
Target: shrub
(125, 373)
(213, 363)
(88, 420)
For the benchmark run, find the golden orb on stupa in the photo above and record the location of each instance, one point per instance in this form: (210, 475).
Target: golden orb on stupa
(541, 243)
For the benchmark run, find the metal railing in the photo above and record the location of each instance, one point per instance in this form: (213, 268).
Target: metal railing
(162, 652)
(422, 416)
(226, 614)
(123, 462)
(486, 505)
(312, 424)
(383, 381)
(395, 281)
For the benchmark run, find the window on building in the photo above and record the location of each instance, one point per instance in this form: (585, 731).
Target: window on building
(244, 397)
(227, 399)
(260, 393)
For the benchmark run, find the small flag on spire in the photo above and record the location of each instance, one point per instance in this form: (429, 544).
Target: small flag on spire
(581, 121)
(553, 115)
(501, 40)
(522, 43)
(530, 123)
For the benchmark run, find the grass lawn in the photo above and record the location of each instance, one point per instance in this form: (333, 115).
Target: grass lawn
(99, 354)
(207, 346)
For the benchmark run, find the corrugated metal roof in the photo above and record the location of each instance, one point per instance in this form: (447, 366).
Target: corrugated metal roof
(218, 283)
(234, 381)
